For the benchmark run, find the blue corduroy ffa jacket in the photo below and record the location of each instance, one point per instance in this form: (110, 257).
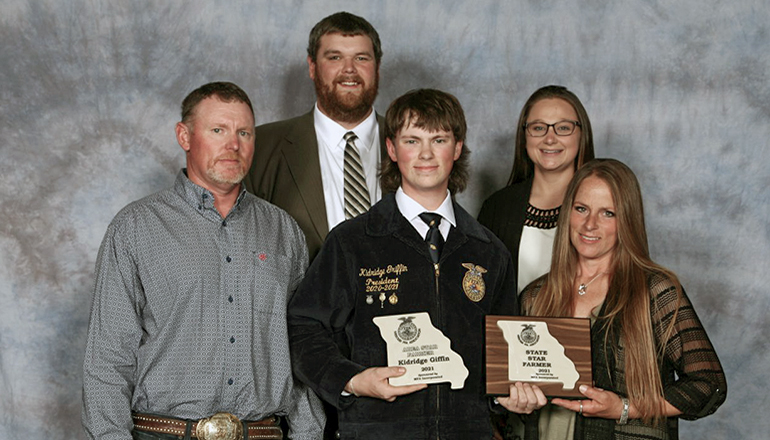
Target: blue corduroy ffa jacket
(333, 337)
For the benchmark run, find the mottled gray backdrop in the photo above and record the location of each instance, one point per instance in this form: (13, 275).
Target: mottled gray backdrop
(678, 89)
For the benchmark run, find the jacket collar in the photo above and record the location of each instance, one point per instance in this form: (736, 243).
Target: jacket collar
(384, 218)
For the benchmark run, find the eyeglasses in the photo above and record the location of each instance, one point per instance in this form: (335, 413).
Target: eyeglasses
(561, 128)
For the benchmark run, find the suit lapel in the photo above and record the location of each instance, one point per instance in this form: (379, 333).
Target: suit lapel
(305, 167)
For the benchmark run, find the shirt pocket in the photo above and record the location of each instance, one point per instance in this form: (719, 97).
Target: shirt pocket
(273, 276)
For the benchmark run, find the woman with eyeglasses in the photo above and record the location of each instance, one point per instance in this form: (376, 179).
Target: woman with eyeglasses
(553, 139)
(652, 361)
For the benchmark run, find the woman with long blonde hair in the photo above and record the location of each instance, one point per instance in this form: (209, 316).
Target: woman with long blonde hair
(653, 362)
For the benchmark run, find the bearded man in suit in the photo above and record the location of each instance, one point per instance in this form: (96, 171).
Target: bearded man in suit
(301, 164)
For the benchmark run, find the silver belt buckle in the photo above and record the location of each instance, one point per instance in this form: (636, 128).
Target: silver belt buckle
(220, 426)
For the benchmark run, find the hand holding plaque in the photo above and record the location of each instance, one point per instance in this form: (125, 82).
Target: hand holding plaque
(552, 353)
(415, 344)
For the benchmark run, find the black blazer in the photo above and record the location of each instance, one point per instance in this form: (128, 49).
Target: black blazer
(504, 213)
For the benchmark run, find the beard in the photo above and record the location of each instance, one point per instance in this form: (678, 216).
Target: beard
(231, 175)
(344, 107)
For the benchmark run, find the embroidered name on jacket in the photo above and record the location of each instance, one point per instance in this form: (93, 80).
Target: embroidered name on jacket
(382, 282)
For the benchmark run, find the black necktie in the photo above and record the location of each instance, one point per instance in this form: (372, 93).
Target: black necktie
(434, 239)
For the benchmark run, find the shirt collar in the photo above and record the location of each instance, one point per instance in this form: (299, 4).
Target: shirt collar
(198, 196)
(332, 132)
(411, 210)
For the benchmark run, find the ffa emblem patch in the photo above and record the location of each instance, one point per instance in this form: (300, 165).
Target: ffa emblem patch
(528, 336)
(473, 283)
(407, 331)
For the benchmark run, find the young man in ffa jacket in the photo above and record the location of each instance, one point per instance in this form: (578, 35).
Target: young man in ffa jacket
(397, 260)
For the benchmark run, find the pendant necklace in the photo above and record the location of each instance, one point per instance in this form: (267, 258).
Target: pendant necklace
(582, 287)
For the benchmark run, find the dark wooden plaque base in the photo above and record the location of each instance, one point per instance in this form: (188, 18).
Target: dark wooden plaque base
(574, 334)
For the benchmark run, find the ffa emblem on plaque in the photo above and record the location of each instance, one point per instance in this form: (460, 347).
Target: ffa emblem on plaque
(407, 331)
(473, 283)
(528, 336)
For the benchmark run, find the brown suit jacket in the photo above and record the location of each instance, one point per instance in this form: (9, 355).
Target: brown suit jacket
(286, 171)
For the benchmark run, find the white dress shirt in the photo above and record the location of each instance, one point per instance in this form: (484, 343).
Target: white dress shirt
(331, 153)
(411, 210)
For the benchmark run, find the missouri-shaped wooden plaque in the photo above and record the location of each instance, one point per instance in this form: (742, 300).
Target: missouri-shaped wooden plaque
(552, 353)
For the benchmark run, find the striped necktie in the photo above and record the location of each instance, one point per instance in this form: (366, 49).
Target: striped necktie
(356, 193)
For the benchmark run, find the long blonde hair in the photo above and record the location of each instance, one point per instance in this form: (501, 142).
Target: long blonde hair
(627, 304)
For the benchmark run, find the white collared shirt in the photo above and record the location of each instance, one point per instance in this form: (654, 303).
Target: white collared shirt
(411, 210)
(331, 154)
